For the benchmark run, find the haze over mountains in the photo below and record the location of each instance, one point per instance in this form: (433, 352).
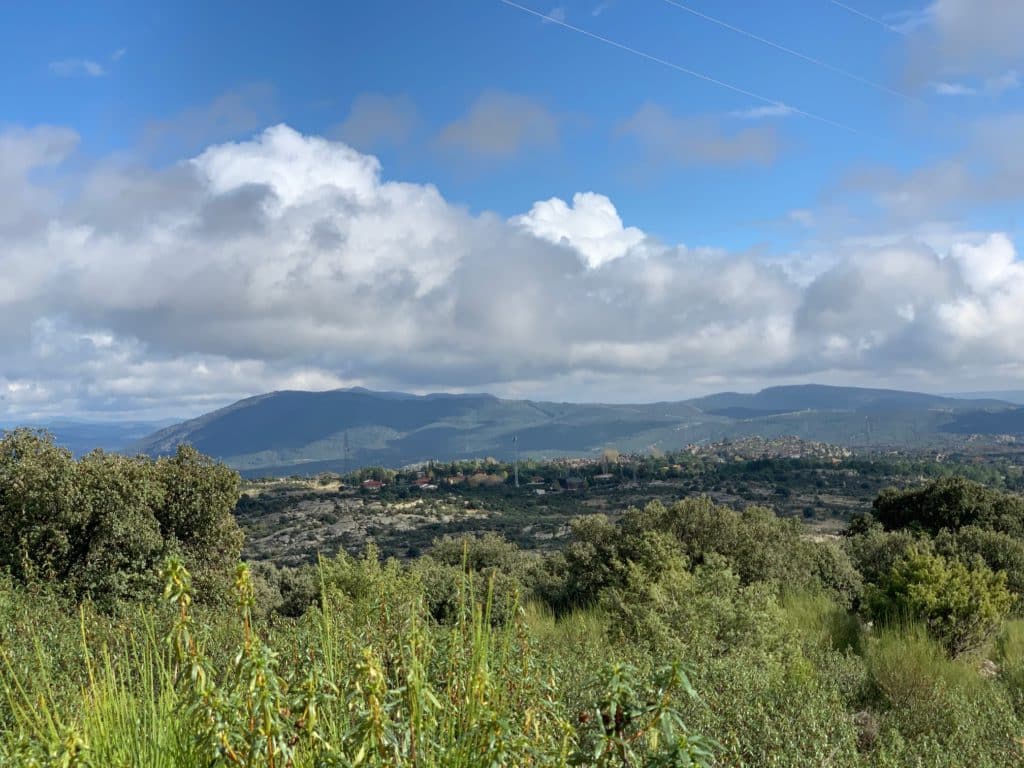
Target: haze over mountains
(307, 432)
(80, 437)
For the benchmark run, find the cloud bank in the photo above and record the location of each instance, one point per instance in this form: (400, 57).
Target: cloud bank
(290, 261)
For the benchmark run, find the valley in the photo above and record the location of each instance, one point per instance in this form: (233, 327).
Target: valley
(290, 521)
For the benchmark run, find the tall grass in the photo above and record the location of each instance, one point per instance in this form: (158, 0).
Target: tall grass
(366, 679)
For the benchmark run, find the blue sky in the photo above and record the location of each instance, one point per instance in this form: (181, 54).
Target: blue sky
(307, 68)
(495, 110)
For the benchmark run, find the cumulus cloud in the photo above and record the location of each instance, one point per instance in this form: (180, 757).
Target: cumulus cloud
(973, 32)
(500, 124)
(24, 151)
(694, 141)
(591, 226)
(290, 260)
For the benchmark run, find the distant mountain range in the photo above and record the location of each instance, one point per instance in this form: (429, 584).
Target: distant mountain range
(285, 433)
(1015, 396)
(80, 437)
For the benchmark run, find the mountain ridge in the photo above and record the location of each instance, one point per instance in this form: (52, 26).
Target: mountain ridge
(292, 431)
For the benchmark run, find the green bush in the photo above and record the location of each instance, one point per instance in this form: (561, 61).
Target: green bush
(756, 545)
(962, 605)
(100, 526)
(952, 503)
(1000, 551)
(874, 551)
(697, 615)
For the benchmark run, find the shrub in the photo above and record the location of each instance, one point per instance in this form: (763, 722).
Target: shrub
(756, 545)
(873, 551)
(699, 614)
(961, 605)
(1000, 551)
(98, 527)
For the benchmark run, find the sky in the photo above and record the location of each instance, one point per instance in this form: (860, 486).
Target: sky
(582, 200)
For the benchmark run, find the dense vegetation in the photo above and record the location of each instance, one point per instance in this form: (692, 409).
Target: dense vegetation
(672, 634)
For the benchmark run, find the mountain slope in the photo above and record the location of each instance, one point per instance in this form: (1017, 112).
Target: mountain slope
(307, 432)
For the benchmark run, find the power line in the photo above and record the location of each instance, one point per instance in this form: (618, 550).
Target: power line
(869, 17)
(684, 70)
(779, 47)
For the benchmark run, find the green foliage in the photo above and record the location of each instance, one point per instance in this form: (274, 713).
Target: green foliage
(489, 567)
(480, 654)
(100, 526)
(1000, 551)
(366, 681)
(196, 515)
(699, 614)
(635, 721)
(756, 545)
(483, 554)
(601, 554)
(961, 605)
(1010, 661)
(874, 551)
(928, 709)
(952, 503)
(42, 511)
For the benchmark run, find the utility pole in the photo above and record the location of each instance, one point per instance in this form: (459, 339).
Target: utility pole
(515, 448)
(348, 466)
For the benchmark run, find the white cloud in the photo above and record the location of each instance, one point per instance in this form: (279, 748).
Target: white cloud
(236, 112)
(953, 89)
(289, 260)
(591, 225)
(987, 170)
(967, 37)
(77, 68)
(996, 85)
